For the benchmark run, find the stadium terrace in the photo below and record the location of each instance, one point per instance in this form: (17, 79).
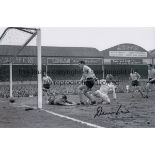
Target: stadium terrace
(62, 61)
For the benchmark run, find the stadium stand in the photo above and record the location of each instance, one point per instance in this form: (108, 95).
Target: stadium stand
(64, 74)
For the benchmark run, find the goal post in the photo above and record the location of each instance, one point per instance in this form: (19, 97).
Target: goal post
(11, 89)
(25, 36)
(39, 56)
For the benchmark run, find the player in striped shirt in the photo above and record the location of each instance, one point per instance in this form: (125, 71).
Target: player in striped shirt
(47, 82)
(151, 78)
(135, 77)
(87, 82)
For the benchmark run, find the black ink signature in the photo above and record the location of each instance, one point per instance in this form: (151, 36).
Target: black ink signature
(100, 111)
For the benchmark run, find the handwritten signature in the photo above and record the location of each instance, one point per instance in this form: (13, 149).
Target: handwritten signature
(100, 112)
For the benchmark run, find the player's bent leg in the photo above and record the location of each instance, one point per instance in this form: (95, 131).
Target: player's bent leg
(81, 89)
(96, 93)
(46, 95)
(140, 91)
(103, 96)
(90, 96)
(133, 91)
(89, 84)
(147, 89)
(46, 89)
(106, 98)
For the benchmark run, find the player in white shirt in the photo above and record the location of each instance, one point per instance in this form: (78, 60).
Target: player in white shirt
(87, 82)
(151, 78)
(104, 90)
(47, 82)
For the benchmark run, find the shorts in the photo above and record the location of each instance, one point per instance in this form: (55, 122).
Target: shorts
(135, 83)
(46, 86)
(152, 82)
(89, 82)
(104, 96)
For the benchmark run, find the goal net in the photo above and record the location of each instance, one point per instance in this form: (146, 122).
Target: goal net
(20, 63)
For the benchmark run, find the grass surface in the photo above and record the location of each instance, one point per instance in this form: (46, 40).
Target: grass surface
(141, 114)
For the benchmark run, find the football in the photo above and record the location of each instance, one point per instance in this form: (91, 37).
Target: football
(12, 100)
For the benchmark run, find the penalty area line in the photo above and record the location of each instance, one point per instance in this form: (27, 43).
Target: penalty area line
(73, 119)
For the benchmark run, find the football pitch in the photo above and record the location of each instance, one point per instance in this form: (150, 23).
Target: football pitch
(129, 112)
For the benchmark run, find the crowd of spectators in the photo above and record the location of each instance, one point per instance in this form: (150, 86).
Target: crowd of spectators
(30, 89)
(58, 87)
(23, 90)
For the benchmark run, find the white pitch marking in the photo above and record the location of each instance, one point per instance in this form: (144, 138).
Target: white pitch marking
(73, 119)
(69, 118)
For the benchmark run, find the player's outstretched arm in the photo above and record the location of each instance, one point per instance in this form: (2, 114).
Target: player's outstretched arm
(68, 103)
(138, 76)
(152, 80)
(50, 80)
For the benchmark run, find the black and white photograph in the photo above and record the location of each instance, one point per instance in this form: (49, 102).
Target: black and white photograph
(77, 77)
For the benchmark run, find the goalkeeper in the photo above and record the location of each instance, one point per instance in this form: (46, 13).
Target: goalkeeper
(63, 100)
